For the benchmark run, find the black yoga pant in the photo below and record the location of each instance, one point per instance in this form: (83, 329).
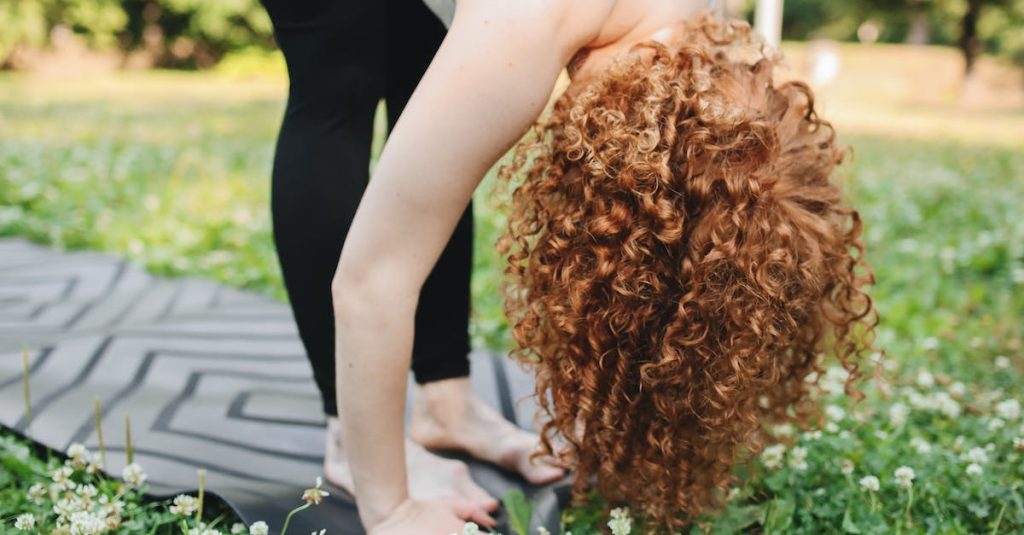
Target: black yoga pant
(343, 56)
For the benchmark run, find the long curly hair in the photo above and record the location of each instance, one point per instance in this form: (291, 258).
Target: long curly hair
(679, 261)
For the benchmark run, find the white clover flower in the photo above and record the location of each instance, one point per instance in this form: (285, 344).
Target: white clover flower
(238, 528)
(24, 522)
(93, 466)
(835, 413)
(898, 413)
(924, 378)
(974, 469)
(798, 458)
(133, 475)
(920, 401)
(36, 493)
(783, 430)
(869, 483)
(1002, 362)
(846, 467)
(64, 506)
(543, 531)
(1018, 444)
(78, 453)
(315, 495)
(904, 476)
(62, 475)
(115, 508)
(470, 528)
(86, 523)
(259, 528)
(87, 491)
(832, 427)
(930, 343)
(1008, 410)
(203, 530)
(957, 389)
(621, 523)
(811, 435)
(996, 424)
(880, 434)
(834, 380)
(184, 505)
(946, 404)
(920, 445)
(772, 456)
(321, 532)
(976, 455)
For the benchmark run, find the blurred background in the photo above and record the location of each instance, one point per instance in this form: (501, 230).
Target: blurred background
(147, 128)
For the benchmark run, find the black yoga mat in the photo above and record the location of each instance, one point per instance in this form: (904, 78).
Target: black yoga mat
(212, 377)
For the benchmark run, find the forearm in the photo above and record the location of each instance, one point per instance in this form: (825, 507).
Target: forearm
(373, 347)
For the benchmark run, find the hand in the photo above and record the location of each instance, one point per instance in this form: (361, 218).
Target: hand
(431, 517)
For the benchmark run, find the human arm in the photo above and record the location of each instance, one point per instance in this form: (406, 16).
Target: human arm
(490, 79)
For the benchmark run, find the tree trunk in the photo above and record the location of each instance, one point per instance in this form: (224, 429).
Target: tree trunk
(970, 43)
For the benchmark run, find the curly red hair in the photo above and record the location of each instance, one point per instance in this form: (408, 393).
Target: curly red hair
(678, 261)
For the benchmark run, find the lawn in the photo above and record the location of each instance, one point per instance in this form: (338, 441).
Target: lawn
(172, 170)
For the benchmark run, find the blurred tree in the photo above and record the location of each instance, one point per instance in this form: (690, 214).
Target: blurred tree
(181, 33)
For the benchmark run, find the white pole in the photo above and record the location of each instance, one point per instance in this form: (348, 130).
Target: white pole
(768, 20)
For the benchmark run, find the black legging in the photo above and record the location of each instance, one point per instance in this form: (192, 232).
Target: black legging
(343, 56)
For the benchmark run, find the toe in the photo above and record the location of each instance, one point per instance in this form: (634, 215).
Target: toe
(542, 474)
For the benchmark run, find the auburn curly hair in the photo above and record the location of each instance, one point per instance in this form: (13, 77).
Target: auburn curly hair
(678, 263)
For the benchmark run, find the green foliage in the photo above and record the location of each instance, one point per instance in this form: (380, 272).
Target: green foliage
(73, 494)
(520, 511)
(187, 32)
(21, 23)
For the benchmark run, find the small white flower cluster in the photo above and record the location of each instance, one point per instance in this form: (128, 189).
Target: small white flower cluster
(904, 476)
(773, 455)
(938, 401)
(133, 475)
(869, 483)
(25, 522)
(976, 457)
(798, 458)
(79, 507)
(621, 523)
(184, 505)
(1008, 410)
(834, 380)
(898, 413)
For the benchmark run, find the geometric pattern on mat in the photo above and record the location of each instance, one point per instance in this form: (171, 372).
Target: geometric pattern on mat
(212, 377)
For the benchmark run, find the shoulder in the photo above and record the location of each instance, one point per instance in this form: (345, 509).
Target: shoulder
(572, 24)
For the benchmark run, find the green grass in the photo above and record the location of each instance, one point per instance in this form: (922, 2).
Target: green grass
(172, 170)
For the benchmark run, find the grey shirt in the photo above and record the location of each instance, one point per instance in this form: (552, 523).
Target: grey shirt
(444, 9)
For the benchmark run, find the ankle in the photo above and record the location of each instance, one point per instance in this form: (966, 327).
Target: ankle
(443, 401)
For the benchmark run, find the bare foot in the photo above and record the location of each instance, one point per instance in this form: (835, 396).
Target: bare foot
(448, 416)
(430, 476)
